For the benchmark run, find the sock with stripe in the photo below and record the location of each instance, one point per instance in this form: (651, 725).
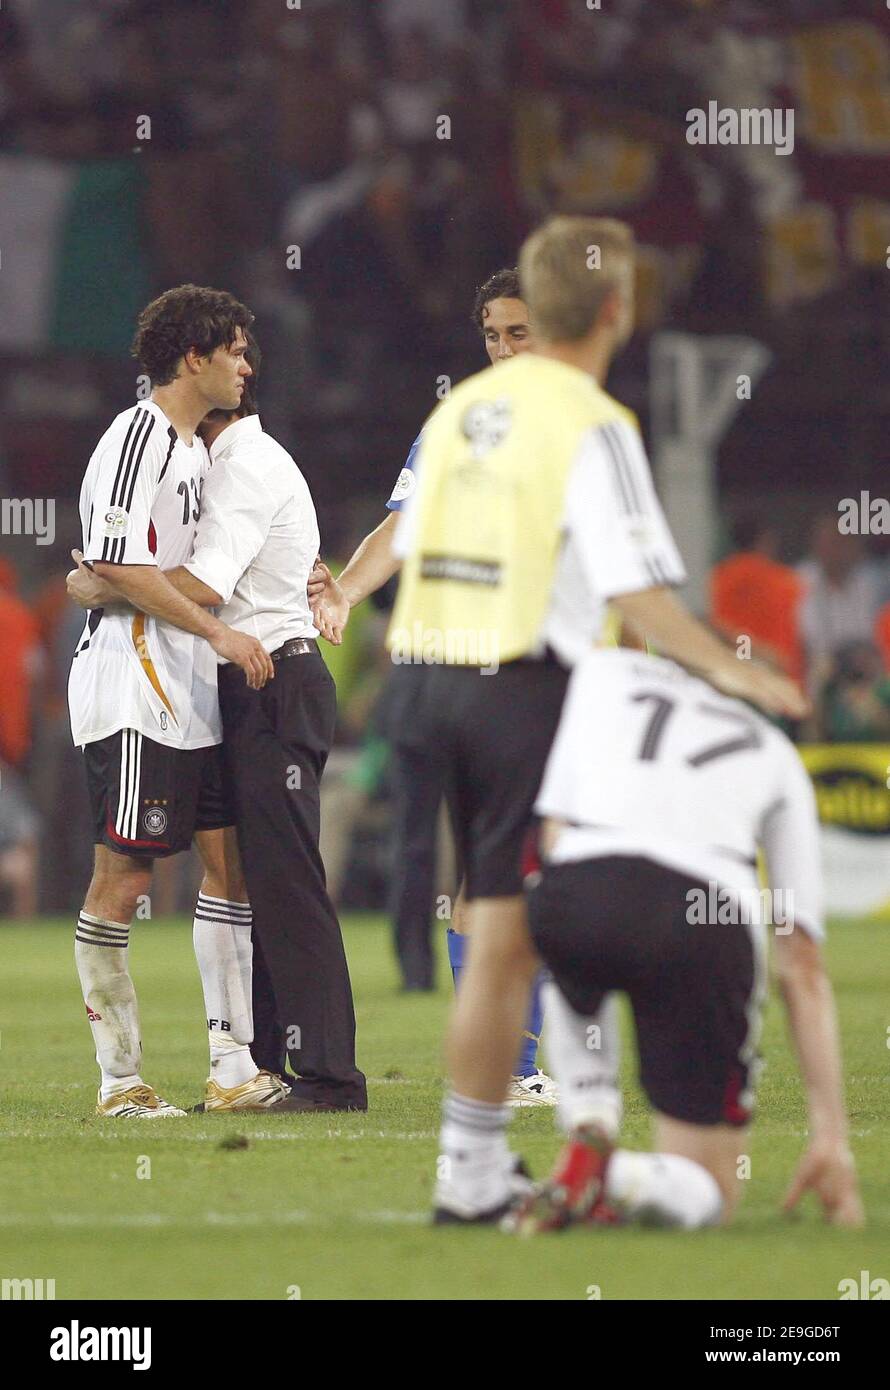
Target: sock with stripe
(224, 953)
(101, 950)
(474, 1160)
(527, 1063)
(663, 1190)
(584, 1052)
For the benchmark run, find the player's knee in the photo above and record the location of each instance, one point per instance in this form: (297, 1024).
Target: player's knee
(116, 888)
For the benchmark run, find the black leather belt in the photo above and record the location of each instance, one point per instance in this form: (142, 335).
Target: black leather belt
(297, 646)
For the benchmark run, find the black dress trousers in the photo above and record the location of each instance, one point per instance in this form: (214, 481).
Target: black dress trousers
(276, 743)
(418, 777)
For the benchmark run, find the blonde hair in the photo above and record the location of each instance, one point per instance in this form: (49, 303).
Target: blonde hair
(567, 270)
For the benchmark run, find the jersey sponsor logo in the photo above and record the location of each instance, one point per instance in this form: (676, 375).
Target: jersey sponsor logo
(92, 1015)
(116, 522)
(486, 424)
(154, 820)
(462, 570)
(404, 486)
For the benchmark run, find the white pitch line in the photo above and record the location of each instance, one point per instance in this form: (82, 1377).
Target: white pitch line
(372, 1081)
(132, 1132)
(156, 1220)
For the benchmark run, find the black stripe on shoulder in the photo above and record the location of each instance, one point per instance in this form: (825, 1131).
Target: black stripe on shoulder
(612, 434)
(121, 488)
(133, 472)
(171, 435)
(618, 480)
(125, 452)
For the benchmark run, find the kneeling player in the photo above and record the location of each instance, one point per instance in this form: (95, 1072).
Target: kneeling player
(658, 793)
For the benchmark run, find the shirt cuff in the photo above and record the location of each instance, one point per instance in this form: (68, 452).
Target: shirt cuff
(217, 570)
(636, 581)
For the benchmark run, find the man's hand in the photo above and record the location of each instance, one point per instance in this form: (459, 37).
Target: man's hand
(86, 588)
(827, 1169)
(774, 693)
(330, 606)
(319, 579)
(659, 615)
(246, 652)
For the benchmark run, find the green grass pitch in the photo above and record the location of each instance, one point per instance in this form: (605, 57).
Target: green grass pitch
(336, 1207)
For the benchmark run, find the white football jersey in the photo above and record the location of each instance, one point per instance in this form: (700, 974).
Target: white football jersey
(139, 505)
(649, 760)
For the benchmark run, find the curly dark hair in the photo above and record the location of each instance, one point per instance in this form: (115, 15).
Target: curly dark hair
(504, 284)
(190, 316)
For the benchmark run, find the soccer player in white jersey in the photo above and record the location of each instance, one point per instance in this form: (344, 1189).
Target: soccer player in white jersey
(142, 690)
(658, 793)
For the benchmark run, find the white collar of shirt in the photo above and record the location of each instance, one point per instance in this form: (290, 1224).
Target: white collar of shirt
(234, 434)
(164, 419)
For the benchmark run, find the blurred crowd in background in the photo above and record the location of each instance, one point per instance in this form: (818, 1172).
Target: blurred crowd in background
(353, 169)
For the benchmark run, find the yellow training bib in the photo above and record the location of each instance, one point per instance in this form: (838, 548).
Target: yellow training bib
(492, 469)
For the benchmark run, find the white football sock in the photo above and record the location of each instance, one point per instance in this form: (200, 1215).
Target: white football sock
(101, 951)
(584, 1053)
(663, 1189)
(224, 953)
(474, 1161)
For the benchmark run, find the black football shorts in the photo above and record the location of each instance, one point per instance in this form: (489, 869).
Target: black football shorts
(486, 737)
(148, 798)
(621, 923)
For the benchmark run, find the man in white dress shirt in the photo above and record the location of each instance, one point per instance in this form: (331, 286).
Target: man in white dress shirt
(255, 544)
